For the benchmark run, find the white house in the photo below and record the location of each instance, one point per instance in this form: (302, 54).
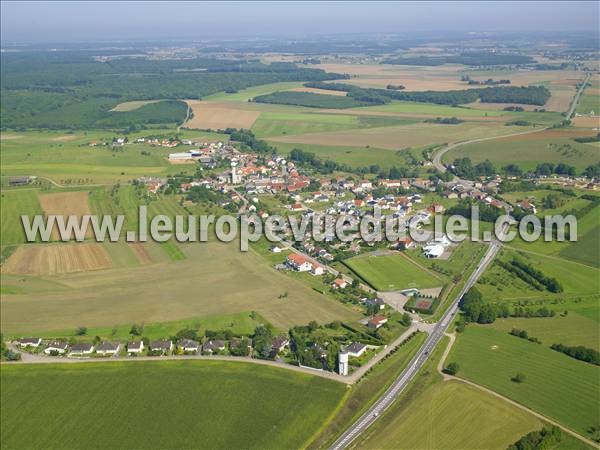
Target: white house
(317, 269)
(108, 348)
(161, 346)
(29, 342)
(59, 347)
(299, 262)
(356, 349)
(135, 347)
(188, 345)
(81, 348)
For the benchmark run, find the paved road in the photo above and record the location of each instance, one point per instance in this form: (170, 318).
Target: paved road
(418, 361)
(577, 95)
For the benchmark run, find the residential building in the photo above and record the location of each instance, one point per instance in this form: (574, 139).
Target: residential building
(108, 348)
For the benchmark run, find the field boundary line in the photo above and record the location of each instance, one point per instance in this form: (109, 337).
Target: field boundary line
(448, 377)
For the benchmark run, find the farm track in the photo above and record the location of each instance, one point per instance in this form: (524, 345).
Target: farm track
(447, 377)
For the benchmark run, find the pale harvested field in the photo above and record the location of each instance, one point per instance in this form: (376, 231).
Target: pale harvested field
(53, 259)
(133, 105)
(9, 137)
(215, 278)
(587, 121)
(561, 98)
(65, 138)
(66, 204)
(318, 91)
(217, 116)
(395, 138)
(140, 252)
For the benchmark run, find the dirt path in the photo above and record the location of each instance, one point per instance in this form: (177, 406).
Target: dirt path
(506, 399)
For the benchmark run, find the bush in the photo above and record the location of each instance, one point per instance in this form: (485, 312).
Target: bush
(518, 378)
(451, 369)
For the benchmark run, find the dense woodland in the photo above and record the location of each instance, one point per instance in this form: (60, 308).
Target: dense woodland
(72, 89)
(530, 95)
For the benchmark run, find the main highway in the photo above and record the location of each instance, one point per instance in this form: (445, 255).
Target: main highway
(419, 359)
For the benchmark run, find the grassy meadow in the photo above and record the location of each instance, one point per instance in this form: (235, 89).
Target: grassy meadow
(433, 414)
(162, 404)
(556, 385)
(553, 146)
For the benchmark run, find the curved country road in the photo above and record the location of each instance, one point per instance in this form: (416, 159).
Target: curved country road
(437, 158)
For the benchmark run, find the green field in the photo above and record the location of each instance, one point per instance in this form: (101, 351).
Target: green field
(589, 103)
(433, 414)
(432, 109)
(352, 156)
(66, 157)
(527, 151)
(556, 385)
(577, 279)
(391, 273)
(244, 95)
(157, 405)
(14, 204)
(271, 124)
(573, 329)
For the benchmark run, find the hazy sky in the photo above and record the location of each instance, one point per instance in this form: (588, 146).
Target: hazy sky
(80, 21)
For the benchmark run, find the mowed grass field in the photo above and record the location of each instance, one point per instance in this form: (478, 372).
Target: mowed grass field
(553, 146)
(403, 136)
(556, 385)
(162, 404)
(392, 272)
(14, 204)
(350, 155)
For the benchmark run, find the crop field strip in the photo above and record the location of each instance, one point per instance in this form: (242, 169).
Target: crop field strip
(255, 398)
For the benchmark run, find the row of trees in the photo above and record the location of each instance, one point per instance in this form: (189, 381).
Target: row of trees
(579, 352)
(532, 276)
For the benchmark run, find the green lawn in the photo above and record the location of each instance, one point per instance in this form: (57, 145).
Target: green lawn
(556, 385)
(393, 272)
(14, 204)
(157, 405)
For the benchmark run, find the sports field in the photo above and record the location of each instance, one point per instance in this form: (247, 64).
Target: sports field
(491, 357)
(392, 272)
(157, 405)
